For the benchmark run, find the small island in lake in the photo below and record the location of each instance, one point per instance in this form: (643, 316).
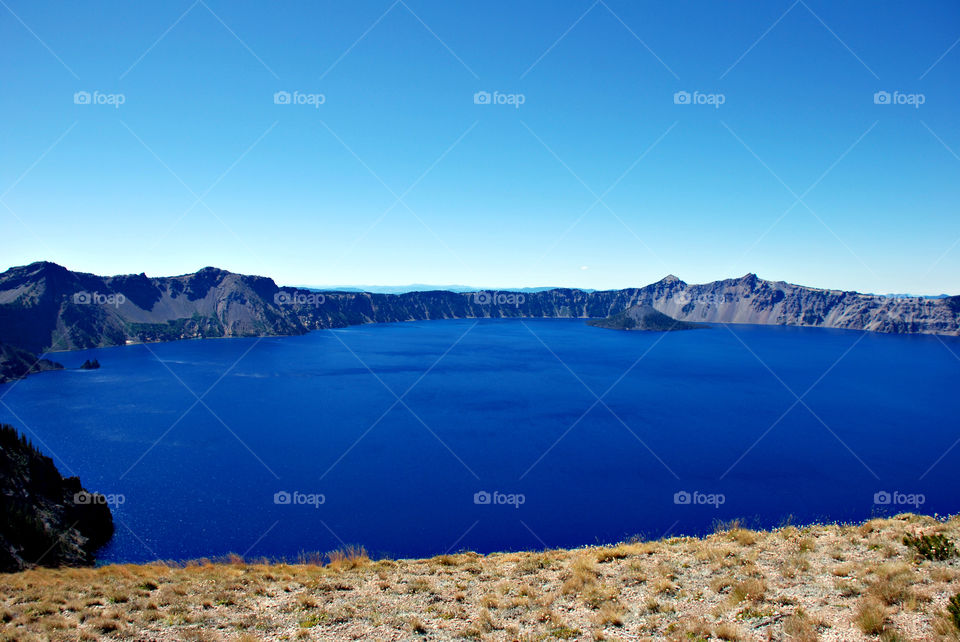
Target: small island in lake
(643, 317)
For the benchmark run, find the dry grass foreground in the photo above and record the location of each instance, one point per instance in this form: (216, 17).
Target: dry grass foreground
(819, 582)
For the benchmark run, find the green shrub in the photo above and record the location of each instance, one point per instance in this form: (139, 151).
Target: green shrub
(954, 609)
(931, 547)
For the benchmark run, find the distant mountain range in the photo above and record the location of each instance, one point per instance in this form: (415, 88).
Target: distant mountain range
(45, 307)
(416, 287)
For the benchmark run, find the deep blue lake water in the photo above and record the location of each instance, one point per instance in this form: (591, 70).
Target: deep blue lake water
(505, 407)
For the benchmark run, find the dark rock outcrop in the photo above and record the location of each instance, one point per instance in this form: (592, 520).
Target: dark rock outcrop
(90, 365)
(45, 520)
(642, 317)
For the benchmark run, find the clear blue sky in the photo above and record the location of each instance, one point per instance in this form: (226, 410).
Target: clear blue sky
(500, 195)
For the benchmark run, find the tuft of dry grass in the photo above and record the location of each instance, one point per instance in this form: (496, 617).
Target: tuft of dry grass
(892, 583)
(619, 552)
(752, 589)
(348, 558)
(945, 629)
(610, 614)
(663, 586)
(582, 573)
(871, 616)
(728, 631)
(445, 560)
(798, 627)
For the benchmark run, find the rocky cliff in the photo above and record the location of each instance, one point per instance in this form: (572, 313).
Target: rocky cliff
(44, 306)
(46, 520)
(750, 299)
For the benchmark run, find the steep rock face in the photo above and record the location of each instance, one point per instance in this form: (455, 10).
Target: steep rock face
(44, 306)
(46, 520)
(753, 300)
